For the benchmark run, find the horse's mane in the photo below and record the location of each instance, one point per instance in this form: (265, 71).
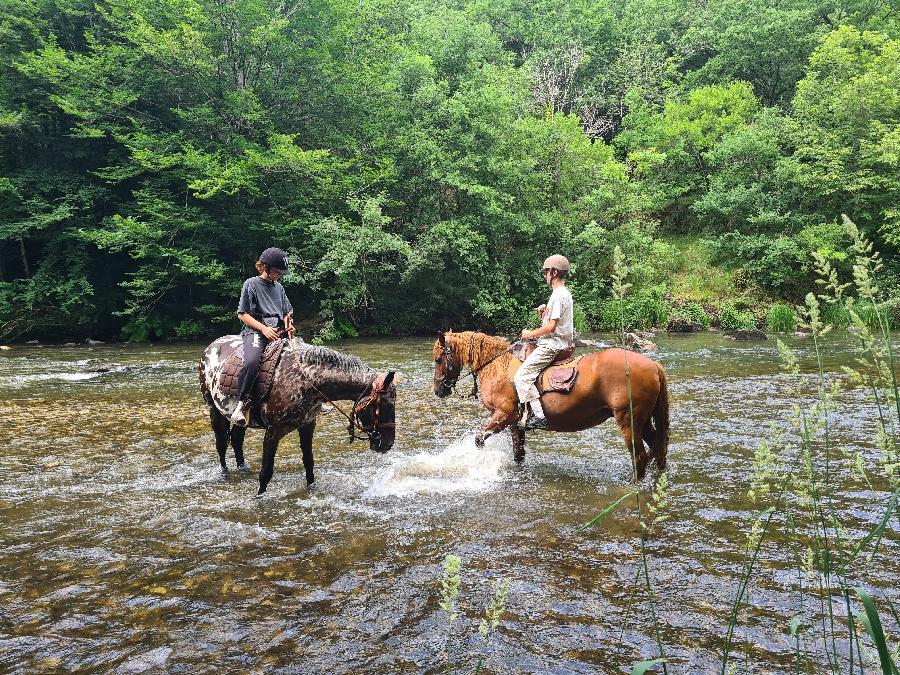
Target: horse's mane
(475, 349)
(323, 356)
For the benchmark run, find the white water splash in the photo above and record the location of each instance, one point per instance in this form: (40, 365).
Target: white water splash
(460, 467)
(17, 380)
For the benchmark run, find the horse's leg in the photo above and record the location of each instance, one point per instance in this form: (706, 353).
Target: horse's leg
(649, 434)
(499, 421)
(237, 442)
(270, 445)
(306, 436)
(518, 440)
(220, 428)
(634, 444)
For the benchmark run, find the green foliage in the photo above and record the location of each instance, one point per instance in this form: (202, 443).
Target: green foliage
(691, 313)
(731, 318)
(781, 318)
(420, 159)
(641, 309)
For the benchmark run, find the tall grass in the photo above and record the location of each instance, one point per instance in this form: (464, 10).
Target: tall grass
(620, 287)
(805, 464)
(450, 585)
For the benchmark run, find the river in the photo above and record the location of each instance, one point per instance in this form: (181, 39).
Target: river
(124, 550)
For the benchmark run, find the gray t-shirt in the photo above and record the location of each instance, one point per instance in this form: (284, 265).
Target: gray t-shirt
(559, 306)
(264, 300)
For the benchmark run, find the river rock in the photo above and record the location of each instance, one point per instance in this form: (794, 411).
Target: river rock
(33, 342)
(636, 343)
(746, 334)
(5, 347)
(68, 344)
(89, 341)
(682, 325)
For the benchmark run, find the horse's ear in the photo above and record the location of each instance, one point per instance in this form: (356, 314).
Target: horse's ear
(442, 337)
(388, 379)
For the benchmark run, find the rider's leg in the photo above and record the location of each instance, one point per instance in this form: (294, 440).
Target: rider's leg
(254, 344)
(528, 372)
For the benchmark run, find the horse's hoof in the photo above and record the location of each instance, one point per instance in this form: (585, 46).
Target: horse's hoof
(479, 441)
(260, 494)
(223, 472)
(244, 468)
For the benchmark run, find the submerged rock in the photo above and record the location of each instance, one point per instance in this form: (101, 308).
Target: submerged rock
(89, 341)
(682, 325)
(746, 334)
(33, 342)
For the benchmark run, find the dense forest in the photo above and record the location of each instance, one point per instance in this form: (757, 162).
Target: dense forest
(419, 158)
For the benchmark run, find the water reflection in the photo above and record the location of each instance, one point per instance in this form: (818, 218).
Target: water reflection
(123, 549)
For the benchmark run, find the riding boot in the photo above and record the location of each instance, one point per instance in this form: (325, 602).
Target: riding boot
(241, 414)
(534, 420)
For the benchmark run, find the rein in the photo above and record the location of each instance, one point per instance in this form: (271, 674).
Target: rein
(353, 423)
(448, 353)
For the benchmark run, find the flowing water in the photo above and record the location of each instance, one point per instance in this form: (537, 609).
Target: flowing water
(122, 549)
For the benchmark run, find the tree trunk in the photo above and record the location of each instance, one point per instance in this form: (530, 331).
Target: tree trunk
(24, 258)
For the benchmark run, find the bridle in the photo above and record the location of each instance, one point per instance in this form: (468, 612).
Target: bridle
(372, 431)
(444, 383)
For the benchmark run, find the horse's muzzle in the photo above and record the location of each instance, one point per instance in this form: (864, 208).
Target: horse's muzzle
(442, 390)
(381, 443)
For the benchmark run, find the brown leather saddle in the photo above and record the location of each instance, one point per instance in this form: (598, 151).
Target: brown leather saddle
(234, 364)
(559, 376)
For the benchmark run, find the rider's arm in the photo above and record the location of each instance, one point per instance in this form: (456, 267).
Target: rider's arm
(546, 329)
(270, 333)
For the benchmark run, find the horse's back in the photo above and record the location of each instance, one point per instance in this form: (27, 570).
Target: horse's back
(618, 374)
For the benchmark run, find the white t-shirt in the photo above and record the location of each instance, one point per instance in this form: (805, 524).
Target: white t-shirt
(559, 306)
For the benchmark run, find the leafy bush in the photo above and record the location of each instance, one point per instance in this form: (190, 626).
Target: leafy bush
(835, 314)
(780, 265)
(692, 313)
(645, 308)
(189, 329)
(731, 318)
(781, 318)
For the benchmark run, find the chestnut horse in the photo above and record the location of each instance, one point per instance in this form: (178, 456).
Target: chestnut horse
(306, 378)
(610, 383)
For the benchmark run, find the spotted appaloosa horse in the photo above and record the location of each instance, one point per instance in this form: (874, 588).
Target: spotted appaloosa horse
(305, 379)
(610, 383)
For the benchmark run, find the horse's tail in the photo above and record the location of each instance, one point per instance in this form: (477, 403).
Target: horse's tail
(660, 416)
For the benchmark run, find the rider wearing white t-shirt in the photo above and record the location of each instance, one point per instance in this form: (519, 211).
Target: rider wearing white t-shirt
(556, 333)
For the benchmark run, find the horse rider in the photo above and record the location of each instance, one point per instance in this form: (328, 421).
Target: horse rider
(266, 313)
(557, 332)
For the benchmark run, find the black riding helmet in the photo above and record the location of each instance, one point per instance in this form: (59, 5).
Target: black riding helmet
(275, 258)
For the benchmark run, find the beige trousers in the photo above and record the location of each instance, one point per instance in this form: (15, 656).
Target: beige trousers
(527, 373)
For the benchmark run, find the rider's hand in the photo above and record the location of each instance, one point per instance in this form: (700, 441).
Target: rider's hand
(525, 334)
(270, 333)
(291, 332)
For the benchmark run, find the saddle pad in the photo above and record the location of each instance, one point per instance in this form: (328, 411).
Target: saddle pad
(234, 364)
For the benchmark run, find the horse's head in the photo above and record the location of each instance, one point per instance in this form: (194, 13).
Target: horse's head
(376, 415)
(446, 368)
